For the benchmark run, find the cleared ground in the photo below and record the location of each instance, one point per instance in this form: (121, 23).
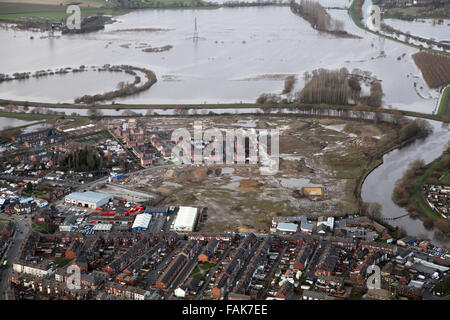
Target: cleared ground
(323, 153)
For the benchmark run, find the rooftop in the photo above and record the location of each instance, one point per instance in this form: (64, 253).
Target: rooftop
(88, 196)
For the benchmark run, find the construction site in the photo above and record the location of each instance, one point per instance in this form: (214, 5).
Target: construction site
(320, 163)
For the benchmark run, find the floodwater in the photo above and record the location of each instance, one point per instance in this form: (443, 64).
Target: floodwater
(64, 87)
(423, 28)
(241, 53)
(12, 122)
(380, 184)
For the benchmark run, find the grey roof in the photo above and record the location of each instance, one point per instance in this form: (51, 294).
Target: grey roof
(288, 227)
(88, 196)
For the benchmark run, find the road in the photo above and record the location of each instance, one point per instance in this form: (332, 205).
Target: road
(211, 273)
(23, 227)
(92, 184)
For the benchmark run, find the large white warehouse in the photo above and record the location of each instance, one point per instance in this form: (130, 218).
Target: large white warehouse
(88, 199)
(186, 219)
(142, 221)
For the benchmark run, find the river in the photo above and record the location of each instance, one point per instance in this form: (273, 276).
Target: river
(379, 185)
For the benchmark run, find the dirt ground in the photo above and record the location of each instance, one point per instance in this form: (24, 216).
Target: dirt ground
(326, 153)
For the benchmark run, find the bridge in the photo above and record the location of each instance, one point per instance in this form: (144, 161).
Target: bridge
(396, 218)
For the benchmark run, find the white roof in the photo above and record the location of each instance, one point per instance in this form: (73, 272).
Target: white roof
(185, 218)
(102, 227)
(142, 220)
(287, 227)
(89, 196)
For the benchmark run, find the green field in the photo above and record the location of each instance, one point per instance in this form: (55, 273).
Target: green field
(61, 262)
(26, 116)
(27, 12)
(417, 184)
(444, 106)
(418, 13)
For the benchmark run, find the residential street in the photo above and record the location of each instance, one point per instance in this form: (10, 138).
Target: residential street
(23, 227)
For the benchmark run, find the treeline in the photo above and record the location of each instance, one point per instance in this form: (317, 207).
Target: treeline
(136, 4)
(84, 159)
(317, 16)
(235, 4)
(158, 49)
(338, 87)
(289, 84)
(125, 89)
(430, 42)
(39, 73)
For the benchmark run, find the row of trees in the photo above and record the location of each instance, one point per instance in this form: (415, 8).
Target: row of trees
(83, 159)
(124, 89)
(317, 16)
(339, 87)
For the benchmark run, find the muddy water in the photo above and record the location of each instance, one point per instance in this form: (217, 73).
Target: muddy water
(379, 185)
(11, 122)
(423, 28)
(238, 53)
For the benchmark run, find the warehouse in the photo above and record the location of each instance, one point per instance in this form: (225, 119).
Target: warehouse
(287, 227)
(186, 219)
(154, 210)
(106, 227)
(141, 222)
(88, 199)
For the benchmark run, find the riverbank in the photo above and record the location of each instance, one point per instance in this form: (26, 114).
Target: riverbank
(409, 193)
(377, 161)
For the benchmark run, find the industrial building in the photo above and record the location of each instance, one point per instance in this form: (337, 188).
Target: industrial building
(287, 227)
(186, 219)
(106, 227)
(156, 210)
(141, 222)
(88, 199)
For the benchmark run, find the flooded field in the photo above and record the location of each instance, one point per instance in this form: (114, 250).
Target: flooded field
(11, 122)
(423, 28)
(238, 52)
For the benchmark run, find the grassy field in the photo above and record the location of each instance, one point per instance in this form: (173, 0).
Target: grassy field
(23, 12)
(444, 106)
(61, 262)
(418, 196)
(26, 116)
(201, 270)
(418, 13)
